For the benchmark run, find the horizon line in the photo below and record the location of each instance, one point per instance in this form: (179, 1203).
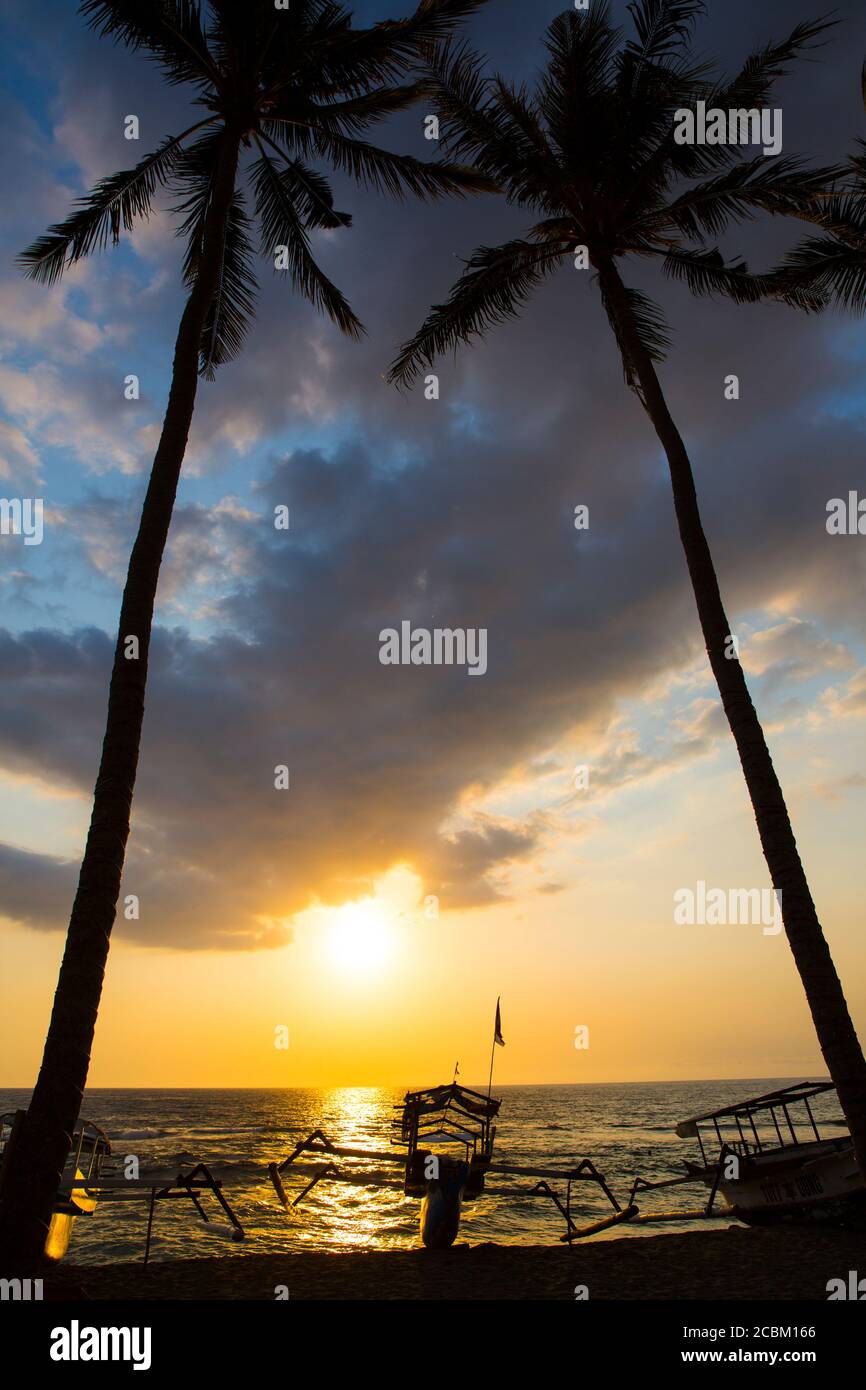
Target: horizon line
(508, 1085)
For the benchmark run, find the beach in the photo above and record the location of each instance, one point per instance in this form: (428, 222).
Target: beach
(782, 1263)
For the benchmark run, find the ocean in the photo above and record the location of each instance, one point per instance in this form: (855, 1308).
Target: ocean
(625, 1129)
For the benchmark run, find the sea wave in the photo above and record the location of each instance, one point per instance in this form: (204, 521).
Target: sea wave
(139, 1134)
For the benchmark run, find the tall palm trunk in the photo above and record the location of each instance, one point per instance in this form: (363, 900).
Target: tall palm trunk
(35, 1163)
(836, 1033)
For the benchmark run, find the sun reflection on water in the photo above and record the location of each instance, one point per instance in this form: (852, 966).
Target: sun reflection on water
(363, 1215)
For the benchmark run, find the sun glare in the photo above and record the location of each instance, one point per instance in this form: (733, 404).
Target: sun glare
(360, 941)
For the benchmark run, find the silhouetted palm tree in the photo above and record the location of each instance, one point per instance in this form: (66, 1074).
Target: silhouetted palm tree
(294, 87)
(594, 154)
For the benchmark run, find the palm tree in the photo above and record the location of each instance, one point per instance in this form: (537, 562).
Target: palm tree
(277, 91)
(593, 153)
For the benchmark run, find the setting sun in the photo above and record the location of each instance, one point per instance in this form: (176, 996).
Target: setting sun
(360, 940)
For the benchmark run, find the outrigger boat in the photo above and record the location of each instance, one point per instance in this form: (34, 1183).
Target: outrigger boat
(769, 1160)
(89, 1178)
(447, 1136)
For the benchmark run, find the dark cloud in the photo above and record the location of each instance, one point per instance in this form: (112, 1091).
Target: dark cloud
(34, 886)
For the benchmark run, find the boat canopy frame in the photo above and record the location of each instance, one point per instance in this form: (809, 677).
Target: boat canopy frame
(442, 1113)
(772, 1103)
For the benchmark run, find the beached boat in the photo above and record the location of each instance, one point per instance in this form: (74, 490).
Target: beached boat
(771, 1163)
(89, 1179)
(447, 1137)
(75, 1197)
(774, 1165)
(447, 1133)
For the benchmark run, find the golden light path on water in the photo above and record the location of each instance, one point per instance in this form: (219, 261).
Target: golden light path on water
(365, 1214)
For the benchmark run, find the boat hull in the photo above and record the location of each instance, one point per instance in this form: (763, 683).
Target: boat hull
(442, 1205)
(820, 1183)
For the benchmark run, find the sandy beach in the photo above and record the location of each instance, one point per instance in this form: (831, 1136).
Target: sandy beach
(736, 1263)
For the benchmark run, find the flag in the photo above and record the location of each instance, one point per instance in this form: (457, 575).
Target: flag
(497, 1028)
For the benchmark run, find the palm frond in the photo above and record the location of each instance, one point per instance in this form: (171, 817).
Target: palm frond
(707, 273)
(857, 163)
(662, 27)
(116, 201)
(341, 60)
(282, 226)
(657, 74)
(353, 115)
(383, 52)
(576, 93)
(496, 282)
(194, 178)
(825, 269)
(527, 134)
(474, 129)
(842, 216)
(753, 84)
(783, 185)
(750, 89)
(170, 31)
(233, 305)
(581, 47)
(309, 192)
(398, 174)
(650, 324)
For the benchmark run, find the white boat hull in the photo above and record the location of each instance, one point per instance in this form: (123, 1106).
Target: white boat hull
(818, 1182)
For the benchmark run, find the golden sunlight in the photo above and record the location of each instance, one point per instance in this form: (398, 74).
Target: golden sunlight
(361, 939)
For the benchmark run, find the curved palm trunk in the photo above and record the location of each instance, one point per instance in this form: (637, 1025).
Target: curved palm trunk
(33, 1170)
(836, 1033)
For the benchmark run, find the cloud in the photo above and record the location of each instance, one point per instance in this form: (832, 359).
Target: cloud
(208, 552)
(54, 408)
(794, 650)
(19, 462)
(33, 886)
(847, 701)
(45, 320)
(834, 791)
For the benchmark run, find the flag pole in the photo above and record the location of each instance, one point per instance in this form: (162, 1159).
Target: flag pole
(492, 1054)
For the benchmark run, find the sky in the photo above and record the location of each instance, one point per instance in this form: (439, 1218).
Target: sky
(433, 850)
